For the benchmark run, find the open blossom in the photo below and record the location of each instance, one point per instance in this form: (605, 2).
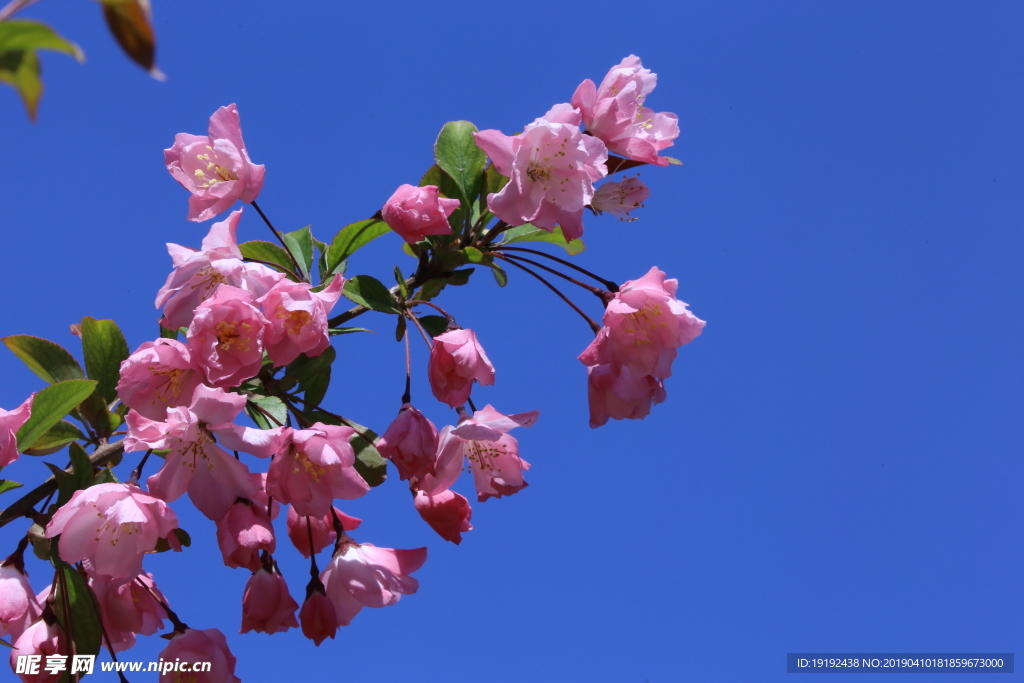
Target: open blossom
(456, 359)
(159, 375)
(552, 167)
(198, 273)
(313, 467)
(297, 319)
(226, 337)
(195, 462)
(243, 533)
(215, 168)
(615, 113)
(10, 423)
(301, 528)
(619, 394)
(267, 606)
(492, 452)
(415, 212)
(113, 525)
(128, 608)
(210, 646)
(410, 442)
(18, 605)
(367, 576)
(43, 637)
(448, 513)
(619, 198)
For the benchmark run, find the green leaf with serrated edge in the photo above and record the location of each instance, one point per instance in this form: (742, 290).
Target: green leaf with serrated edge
(351, 238)
(346, 330)
(105, 349)
(268, 252)
(313, 374)
(67, 484)
(431, 288)
(273, 405)
(20, 70)
(94, 411)
(162, 545)
(8, 485)
(106, 476)
(167, 333)
(50, 361)
(76, 612)
(460, 277)
(534, 234)
(434, 324)
(81, 466)
(370, 465)
(321, 260)
(493, 181)
(400, 328)
(23, 34)
(500, 276)
(56, 438)
(300, 243)
(368, 291)
(400, 279)
(456, 152)
(473, 255)
(50, 406)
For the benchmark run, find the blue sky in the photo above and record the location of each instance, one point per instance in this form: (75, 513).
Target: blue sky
(837, 467)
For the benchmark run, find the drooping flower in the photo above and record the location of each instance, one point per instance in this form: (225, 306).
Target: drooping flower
(226, 337)
(620, 395)
(215, 168)
(193, 646)
(492, 452)
(243, 533)
(456, 360)
(297, 319)
(616, 114)
(320, 528)
(267, 606)
(448, 513)
(10, 422)
(410, 442)
(415, 212)
(159, 375)
(113, 525)
(317, 616)
(18, 604)
(128, 608)
(619, 198)
(367, 576)
(313, 467)
(552, 167)
(43, 637)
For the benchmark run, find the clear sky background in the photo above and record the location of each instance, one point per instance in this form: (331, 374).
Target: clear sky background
(838, 465)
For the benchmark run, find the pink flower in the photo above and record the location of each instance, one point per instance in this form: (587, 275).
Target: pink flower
(493, 454)
(226, 337)
(128, 608)
(317, 616)
(415, 212)
(297, 319)
(197, 274)
(159, 375)
(367, 576)
(216, 169)
(552, 167)
(113, 525)
(619, 198)
(10, 423)
(199, 646)
(313, 467)
(620, 395)
(616, 114)
(18, 605)
(410, 442)
(267, 607)
(196, 463)
(243, 533)
(321, 528)
(447, 513)
(456, 359)
(43, 637)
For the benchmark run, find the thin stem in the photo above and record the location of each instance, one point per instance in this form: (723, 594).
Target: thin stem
(407, 396)
(137, 472)
(448, 316)
(277, 234)
(179, 625)
(469, 400)
(594, 326)
(423, 332)
(499, 227)
(263, 410)
(600, 293)
(607, 283)
(99, 618)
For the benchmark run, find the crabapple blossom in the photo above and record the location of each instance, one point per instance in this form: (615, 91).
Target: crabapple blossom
(620, 395)
(215, 168)
(410, 442)
(415, 212)
(128, 608)
(320, 528)
(243, 533)
(10, 422)
(193, 645)
(226, 336)
(448, 513)
(317, 616)
(615, 113)
(367, 576)
(552, 167)
(267, 607)
(18, 604)
(159, 375)
(43, 637)
(619, 198)
(456, 359)
(297, 319)
(113, 525)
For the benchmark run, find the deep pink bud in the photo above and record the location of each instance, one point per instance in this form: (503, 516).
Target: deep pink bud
(322, 529)
(128, 608)
(410, 442)
(415, 212)
(447, 513)
(267, 606)
(456, 359)
(243, 533)
(318, 618)
(200, 646)
(40, 638)
(18, 605)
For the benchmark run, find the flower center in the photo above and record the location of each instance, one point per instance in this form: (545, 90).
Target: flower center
(229, 334)
(170, 386)
(482, 454)
(294, 321)
(215, 172)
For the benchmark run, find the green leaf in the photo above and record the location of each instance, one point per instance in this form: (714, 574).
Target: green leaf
(530, 233)
(50, 361)
(457, 154)
(8, 485)
(313, 374)
(268, 252)
(19, 64)
(346, 330)
(162, 545)
(77, 608)
(56, 438)
(300, 243)
(403, 290)
(500, 276)
(460, 277)
(105, 348)
(673, 161)
(400, 328)
(351, 238)
(50, 406)
(434, 324)
(67, 483)
(81, 466)
(167, 333)
(370, 465)
(130, 22)
(474, 255)
(493, 181)
(368, 291)
(272, 405)
(106, 476)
